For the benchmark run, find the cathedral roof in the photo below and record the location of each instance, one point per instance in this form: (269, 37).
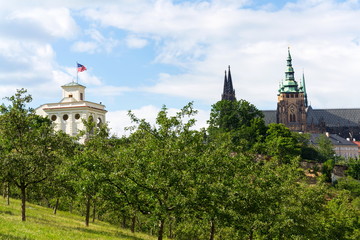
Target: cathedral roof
(269, 116)
(336, 117)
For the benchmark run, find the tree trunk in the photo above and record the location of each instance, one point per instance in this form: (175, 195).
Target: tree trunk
(161, 229)
(251, 234)
(23, 202)
(87, 214)
(56, 205)
(4, 190)
(124, 221)
(94, 211)
(170, 229)
(8, 193)
(133, 221)
(212, 229)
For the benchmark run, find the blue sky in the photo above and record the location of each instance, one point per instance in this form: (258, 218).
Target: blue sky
(142, 54)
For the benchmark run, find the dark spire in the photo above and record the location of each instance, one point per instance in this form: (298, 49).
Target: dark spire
(231, 89)
(225, 83)
(304, 89)
(229, 92)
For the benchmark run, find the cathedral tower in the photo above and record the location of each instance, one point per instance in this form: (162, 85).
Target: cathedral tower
(229, 92)
(292, 100)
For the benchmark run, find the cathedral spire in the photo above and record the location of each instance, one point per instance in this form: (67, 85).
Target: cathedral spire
(304, 89)
(289, 84)
(289, 73)
(231, 89)
(229, 92)
(225, 83)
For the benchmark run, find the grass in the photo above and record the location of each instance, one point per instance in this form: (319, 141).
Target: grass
(42, 224)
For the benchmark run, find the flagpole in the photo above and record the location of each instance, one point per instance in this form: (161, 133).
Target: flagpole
(77, 73)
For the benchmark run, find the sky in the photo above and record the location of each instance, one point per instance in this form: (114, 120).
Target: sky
(143, 54)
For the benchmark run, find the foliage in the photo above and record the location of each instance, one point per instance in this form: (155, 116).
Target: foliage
(281, 143)
(325, 148)
(91, 163)
(270, 203)
(154, 164)
(240, 118)
(28, 145)
(327, 169)
(349, 184)
(341, 218)
(354, 168)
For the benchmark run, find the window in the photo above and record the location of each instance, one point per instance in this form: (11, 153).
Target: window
(70, 95)
(292, 118)
(66, 117)
(53, 118)
(98, 122)
(77, 116)
(81, 96)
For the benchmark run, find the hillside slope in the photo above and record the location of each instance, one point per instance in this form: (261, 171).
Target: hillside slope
(42, 224)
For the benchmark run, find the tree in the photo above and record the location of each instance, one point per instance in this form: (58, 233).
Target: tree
(270, 201)
(341, 218)
(281, 143)
(325, 148)
(28, 145)
(239, 118)
(91, 162)
(354, 168)
(152, 172)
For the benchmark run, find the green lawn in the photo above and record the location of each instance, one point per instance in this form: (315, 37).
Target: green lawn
(42, 224)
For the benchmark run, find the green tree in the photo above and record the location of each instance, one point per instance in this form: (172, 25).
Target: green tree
(269, 201)
(91, 162)
(350, 184)
(325, 148)
(354, 168)
(281, 143)
(212, 176)
(240, 118)
(152, 171)
(341, 218)
(28, 145)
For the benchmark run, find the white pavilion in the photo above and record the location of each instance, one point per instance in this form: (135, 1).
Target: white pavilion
(66, 115)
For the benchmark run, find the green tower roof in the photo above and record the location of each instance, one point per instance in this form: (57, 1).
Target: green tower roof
(289, 85)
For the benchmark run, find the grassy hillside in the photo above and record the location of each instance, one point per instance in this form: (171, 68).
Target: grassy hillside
(42, 224)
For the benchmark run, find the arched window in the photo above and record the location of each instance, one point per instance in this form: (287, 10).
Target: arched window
(292, 117)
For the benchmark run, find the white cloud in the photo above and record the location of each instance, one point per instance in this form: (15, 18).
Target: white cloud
(136, 42)
(89, 79)
(57, 22)
(25, 62)
(107, 90)
(82, 46)
(119, 120)
(97, 44)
